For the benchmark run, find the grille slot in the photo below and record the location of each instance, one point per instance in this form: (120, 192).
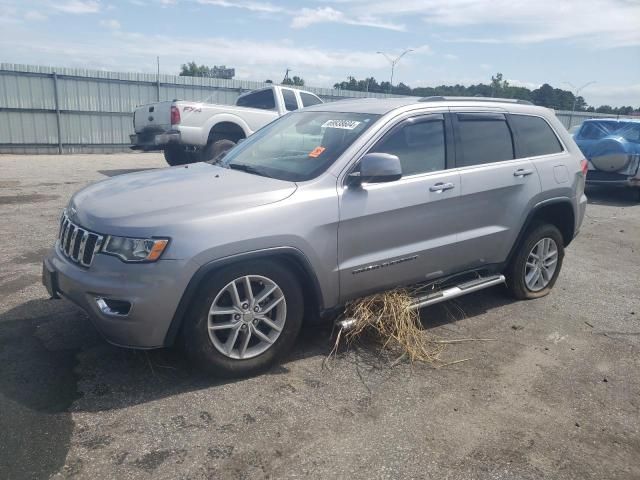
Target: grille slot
(77, 244)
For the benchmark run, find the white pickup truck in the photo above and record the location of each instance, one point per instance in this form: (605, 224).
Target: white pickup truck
(191, 131)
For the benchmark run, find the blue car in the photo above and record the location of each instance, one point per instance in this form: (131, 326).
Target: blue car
(612, 148)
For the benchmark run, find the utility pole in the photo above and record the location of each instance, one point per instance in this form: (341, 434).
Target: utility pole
(394, 62)
(158, 78)
(576, 93)
(286, 75)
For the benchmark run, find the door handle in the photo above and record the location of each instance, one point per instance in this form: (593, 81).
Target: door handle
(521, 172)
(441, 187)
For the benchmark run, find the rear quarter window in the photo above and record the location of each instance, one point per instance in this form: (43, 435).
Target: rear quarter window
(262, 99)
(308, 99)
(534, 136)
(483, 138)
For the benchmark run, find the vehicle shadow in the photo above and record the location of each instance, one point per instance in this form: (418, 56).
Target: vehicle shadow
(122, 171)
(613, 197)
(52, 357)
(467, 306)
(47, 345)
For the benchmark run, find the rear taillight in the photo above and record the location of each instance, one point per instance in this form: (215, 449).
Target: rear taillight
(584, 166)
(175, 115)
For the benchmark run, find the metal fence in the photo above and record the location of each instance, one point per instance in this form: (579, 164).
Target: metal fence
(65, 110)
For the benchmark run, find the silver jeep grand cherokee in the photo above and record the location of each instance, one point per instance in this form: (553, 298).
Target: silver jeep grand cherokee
(322, 206)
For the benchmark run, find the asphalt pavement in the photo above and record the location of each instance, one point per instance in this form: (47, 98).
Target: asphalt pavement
(554, 394)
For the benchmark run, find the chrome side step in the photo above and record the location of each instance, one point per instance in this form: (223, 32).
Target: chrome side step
(441, 296)
(457, 291)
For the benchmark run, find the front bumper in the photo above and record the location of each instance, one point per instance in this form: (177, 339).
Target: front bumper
(154, 140)
(153, 291)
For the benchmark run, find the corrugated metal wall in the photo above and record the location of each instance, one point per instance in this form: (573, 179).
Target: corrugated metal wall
(92, 109)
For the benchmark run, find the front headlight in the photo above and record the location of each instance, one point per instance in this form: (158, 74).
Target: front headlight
(135, 249)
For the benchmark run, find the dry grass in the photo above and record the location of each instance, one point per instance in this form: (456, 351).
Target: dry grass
(387, 319)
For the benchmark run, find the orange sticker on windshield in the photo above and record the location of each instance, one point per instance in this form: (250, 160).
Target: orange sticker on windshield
(316, 152)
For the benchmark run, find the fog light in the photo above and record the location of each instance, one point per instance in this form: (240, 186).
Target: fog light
(113, 308)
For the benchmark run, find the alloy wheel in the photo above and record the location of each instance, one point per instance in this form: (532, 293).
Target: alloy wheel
(541, 264)
(247, 316)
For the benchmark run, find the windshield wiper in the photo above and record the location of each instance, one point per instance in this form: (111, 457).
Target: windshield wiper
(247, 168)
(218, 159)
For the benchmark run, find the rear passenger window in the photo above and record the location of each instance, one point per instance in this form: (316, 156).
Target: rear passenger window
(534, 136)
(419, 146)
(308, 99)
(290, 102)
(484, 138)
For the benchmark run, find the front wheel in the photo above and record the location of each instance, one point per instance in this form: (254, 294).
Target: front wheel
(536, 265)
(246, 317)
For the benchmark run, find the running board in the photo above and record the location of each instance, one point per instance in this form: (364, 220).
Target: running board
(457, 291)
(440, 296)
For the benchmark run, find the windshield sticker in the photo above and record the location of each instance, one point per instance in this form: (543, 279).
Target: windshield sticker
(343, 124)
(316, 152)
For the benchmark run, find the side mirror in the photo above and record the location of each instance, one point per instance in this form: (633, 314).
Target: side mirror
(376, 168)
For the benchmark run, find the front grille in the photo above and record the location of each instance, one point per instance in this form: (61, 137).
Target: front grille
(76, 243)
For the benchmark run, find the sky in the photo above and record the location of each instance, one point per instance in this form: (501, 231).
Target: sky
(566, 43)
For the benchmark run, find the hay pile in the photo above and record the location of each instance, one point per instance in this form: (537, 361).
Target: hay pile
(387, 318)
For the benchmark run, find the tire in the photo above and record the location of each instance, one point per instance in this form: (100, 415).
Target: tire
(216, 148)
(523, 266)
(175, 155)
(207, 335)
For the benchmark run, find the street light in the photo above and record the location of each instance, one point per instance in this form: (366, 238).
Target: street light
(393, 62)
(575, 97)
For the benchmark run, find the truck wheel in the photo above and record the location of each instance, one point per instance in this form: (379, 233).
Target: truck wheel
(245, 318)
(213, 150)
(175, 155)
(534, 270)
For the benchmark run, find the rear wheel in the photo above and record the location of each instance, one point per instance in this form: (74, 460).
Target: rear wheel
(175, 155)
(246, 317)
(534, 269)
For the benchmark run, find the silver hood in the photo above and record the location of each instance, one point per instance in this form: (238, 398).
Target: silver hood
(143, 203)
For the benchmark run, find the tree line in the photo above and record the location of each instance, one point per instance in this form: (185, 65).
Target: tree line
(545, 95)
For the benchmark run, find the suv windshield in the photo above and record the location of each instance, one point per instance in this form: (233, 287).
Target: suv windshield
(300, 145)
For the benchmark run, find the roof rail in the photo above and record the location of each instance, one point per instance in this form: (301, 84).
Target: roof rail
(440, 98)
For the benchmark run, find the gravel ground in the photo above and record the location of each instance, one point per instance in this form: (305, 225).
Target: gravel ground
(556, 394)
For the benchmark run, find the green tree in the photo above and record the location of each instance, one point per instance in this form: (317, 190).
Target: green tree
(545, 95)
(498, 85)
(192, 69)
(605, 109)
(297, 81)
